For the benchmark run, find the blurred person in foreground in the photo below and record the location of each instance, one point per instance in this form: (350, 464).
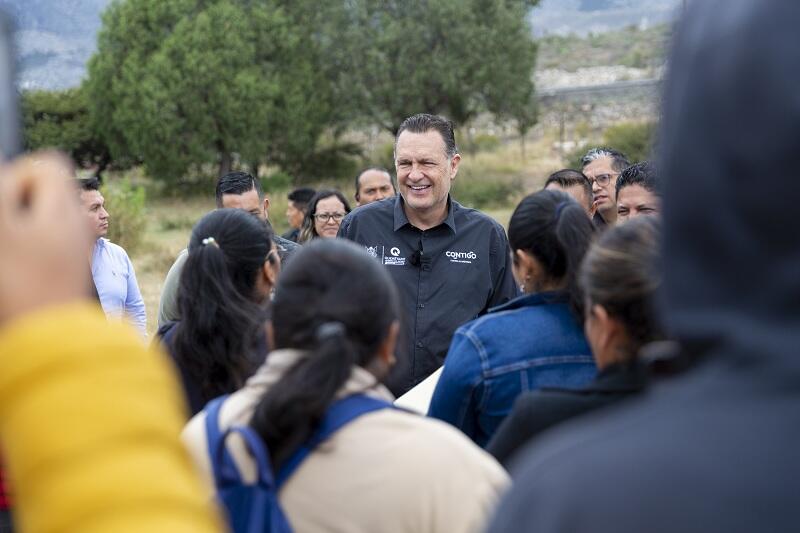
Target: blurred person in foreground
(602, 166)
(325, 213)
(451, 263)
(383, 471)
(296, 211)
(574, 183)
(638, 192)
(225, 284)
(235, 190)
(112, 270)
(535, 340)
(619, 279)
(716, 449)
(89, 418)
(372, 185)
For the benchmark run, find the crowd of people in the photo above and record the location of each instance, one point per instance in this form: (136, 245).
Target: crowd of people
(618, 360)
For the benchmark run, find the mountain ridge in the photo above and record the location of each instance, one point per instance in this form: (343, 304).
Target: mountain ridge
(56, 38)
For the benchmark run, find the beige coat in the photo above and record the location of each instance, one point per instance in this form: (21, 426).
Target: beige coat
(386, 472)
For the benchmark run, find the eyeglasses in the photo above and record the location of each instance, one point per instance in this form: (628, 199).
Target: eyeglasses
(602, 179)
(325, 217)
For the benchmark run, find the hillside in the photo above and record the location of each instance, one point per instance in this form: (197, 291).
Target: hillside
(631, 47)
(57, 37)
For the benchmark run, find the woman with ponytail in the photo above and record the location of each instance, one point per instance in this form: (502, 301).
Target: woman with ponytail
(533, 341)
(226, 281)
(334, 325)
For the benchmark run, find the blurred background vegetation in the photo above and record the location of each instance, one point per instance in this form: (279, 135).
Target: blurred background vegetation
(307, 92)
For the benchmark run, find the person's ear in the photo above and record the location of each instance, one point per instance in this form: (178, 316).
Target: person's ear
(265, 207)
(608, 336)
(530, 271)
(385, 359)
(454, 162)
(267, 276)
(272, 269)
(592, 209)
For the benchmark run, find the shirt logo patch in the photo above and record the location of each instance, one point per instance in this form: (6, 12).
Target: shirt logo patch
(461, 257)
(372, 250)
(395, 251)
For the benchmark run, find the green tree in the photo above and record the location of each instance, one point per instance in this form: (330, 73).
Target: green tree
(188, 83)
(455, 57)
(61, 120)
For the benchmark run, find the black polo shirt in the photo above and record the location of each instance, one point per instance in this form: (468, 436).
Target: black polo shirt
(446, 276)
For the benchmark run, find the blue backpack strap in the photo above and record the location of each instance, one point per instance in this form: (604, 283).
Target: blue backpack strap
(339, 414)
(215, 438)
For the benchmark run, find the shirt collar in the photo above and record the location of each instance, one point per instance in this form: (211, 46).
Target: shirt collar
(400, 218)
(530, 300)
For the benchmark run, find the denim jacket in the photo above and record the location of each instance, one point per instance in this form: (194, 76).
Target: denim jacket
(530, 342)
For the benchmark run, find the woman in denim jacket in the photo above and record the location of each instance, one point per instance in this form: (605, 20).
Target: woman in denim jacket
(533, 341)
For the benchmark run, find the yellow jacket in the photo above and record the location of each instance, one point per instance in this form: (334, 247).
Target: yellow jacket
(89, 425)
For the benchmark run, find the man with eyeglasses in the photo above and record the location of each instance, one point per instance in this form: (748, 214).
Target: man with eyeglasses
(603, 166)
(235, 190)
(450, 263)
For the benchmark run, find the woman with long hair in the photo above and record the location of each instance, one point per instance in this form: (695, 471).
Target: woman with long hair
(533, 341)
(619, 278)
(324, 215)
(224, 286)
(334, 325)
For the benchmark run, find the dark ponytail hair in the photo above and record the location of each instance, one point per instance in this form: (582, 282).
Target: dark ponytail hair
(220, 314)
(337, 303)
(620, 273)
(552, 227)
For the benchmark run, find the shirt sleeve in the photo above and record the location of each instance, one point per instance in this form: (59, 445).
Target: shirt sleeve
(168, 305)
(134, 303)
(344, 228)
(455, 397)
(89, 425)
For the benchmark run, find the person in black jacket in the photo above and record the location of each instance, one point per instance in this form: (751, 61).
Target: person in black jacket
(618, 280)
(716, 448)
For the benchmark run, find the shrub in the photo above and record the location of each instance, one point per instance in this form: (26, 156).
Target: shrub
(482, 193)
(277, 181)
(125, 204)
(634, 139)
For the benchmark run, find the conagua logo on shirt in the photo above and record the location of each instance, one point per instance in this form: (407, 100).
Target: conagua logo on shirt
(461, 257)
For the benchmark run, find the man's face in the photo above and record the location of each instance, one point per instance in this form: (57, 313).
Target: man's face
(94, 206)
(605, 198)
(248, 201)
(373, 185)
(577, 192)
(635, 201)
(424, 172)
(294, 215)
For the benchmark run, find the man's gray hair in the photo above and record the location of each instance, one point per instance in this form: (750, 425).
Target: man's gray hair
(619, 161)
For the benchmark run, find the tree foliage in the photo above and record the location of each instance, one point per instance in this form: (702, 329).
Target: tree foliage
(187, 83)
(61, 120)
(454, 57)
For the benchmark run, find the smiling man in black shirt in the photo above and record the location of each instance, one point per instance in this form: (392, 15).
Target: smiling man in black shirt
(450, 263)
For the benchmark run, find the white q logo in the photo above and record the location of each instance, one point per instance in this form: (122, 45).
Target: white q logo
(395, 251)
